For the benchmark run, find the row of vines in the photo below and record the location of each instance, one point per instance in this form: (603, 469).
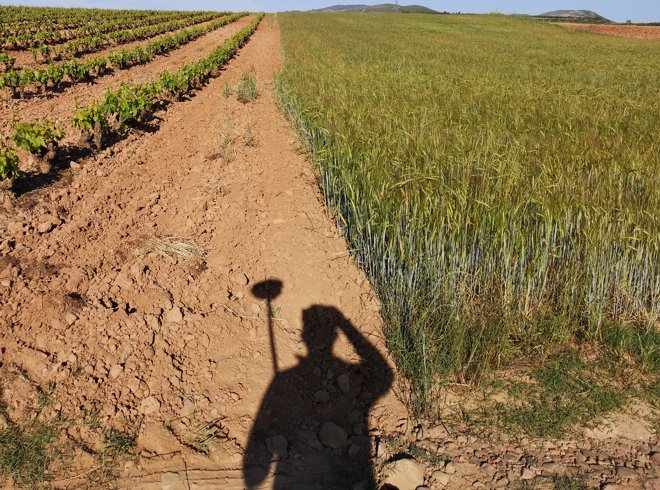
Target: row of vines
(128, 105)
(26, 81)
(36, 33)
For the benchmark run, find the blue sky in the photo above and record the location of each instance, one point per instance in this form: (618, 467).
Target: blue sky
(617, 10)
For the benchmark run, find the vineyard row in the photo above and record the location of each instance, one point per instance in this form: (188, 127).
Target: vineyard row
(52, 76)
(129, 104)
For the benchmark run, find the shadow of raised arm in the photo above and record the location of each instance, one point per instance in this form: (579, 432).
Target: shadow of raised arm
(372, 359)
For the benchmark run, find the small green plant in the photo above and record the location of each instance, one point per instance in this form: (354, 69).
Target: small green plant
(75, 70)
(93, 125)
(45, 51)
(250, 138)
(246, 91)
(6, 62)
(119, 443)
(208, 437)
(227, 149)
(27, 451)
(563, 393)
(569, 483)
(11, 80)
(35, 54)
(40, 138)
(226, 90)
(44, 399)
(91, 419)
(41, 77)
(8, 163)
(55, 74)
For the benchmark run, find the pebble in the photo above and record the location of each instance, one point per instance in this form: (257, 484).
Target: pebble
(321, 396)
(442, 479)
(175, 315)
(240, 278)
(554, 468)
(187, 409)
(527, 474)
(149, 405)
(45, 227)
(450, 468)
(170, 480)
(133, 384)
(115, 371)
(333, 436)
(404, 474)
(623, 472)
(488, 469)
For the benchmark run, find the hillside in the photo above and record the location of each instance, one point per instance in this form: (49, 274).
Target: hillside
(586, 16)
(381, 8)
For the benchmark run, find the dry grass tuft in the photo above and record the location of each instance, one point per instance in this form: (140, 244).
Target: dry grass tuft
(171, 246)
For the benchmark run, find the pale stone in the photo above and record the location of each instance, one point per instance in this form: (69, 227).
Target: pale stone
(149, 405)
(404, 474)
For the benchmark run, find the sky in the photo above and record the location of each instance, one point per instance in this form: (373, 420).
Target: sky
(617, 10)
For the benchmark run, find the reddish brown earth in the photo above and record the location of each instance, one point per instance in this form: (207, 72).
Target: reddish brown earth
(180, 350)
(632, 31)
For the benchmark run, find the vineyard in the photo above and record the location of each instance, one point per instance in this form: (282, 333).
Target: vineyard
(129, 103)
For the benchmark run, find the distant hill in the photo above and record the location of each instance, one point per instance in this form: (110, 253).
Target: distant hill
(587, 16)
(388, 8)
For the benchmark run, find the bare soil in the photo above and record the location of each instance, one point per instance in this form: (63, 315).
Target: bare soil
(100, 310)
(632, 31)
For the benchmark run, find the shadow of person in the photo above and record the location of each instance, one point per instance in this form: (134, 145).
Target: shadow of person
(312, 423)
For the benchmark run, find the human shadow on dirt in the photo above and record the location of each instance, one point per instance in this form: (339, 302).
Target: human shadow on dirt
(312, 423)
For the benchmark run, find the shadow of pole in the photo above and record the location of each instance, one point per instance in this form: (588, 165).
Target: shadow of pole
(311, 430)
(269, 290)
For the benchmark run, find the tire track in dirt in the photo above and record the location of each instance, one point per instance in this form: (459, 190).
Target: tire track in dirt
(63, 106)
(184, 342)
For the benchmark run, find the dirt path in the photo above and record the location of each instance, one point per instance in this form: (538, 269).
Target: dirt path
(180, 350)
(63, 106)
(162, 338)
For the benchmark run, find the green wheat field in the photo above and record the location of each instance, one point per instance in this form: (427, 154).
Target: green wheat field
(498, 179)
